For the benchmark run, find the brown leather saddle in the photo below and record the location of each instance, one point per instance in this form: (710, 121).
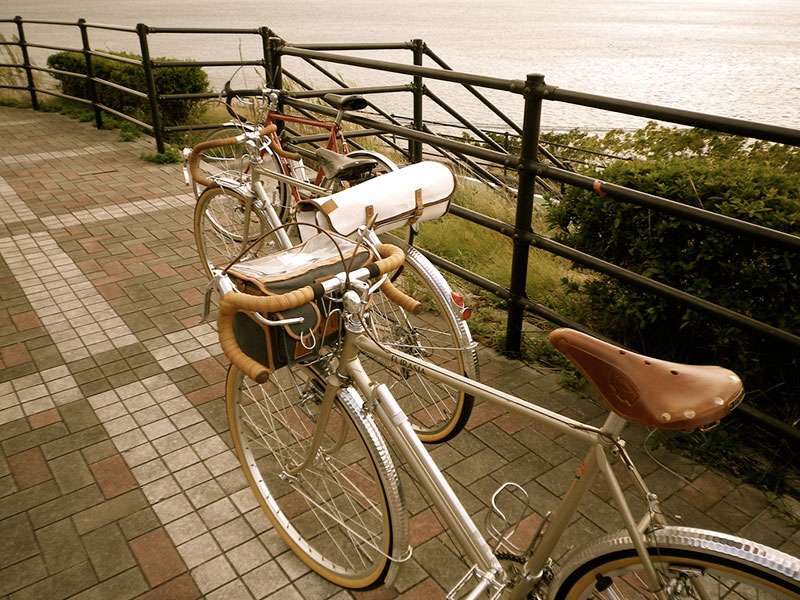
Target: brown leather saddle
(649, 391)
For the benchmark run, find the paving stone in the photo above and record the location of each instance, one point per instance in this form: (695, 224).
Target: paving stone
(61, 546)
(28, 498)
(248, 556)
(213, 574)
(198, 550)
(443, 565)
(78, 416)
(64, 584)
(157, 556)
(235, 590)
(32, 439)
(29, 468)
(161, 489)
(108, 551)
(124, 586)
(17, 541)
(99, 451)
(65, 506)
(109, 511)
(179, 588)
(76, 441)
(219, 512)
(139, 523)
(314, 586)
(113, 476)
(22, 575)
(71, 472)
(186, 528)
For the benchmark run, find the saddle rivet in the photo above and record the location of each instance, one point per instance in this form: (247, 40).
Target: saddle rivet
(666, 417)
(689, 413)
(718, 401)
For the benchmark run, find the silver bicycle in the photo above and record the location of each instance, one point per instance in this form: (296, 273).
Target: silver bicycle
(310, 440)
(240, 217)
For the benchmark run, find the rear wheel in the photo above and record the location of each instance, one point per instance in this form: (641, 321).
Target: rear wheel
(690, 563)
(341, 514)
(438, 335)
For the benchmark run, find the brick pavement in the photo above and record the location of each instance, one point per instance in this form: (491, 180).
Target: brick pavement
(117, 478)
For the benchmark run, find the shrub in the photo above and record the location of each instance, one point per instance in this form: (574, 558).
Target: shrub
(168, 80)
(750, 183)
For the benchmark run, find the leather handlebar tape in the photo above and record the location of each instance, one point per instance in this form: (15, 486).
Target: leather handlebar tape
(234, 302)
(194, 156)
(285, 153)
(407, 303)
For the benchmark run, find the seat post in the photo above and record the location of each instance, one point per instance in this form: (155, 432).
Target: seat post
(614, 424)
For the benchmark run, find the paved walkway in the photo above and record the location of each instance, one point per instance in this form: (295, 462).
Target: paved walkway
(116, 475)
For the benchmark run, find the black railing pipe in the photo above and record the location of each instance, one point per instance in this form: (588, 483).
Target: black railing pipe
(534, 85)
(509, 85)
(414, 146)
(772, 133)
(356, 46)
(684, 211)
(155, 115)
(87, 56)
(504, 293)
(207, 63)
(201, 30)
(539, 241)
(26, 59)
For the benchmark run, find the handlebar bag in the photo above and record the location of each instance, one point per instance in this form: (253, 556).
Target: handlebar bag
(419, 192)
(315, 260)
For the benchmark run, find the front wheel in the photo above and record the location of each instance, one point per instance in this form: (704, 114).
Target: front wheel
(223, 229)
(690, 563)
(342, 513)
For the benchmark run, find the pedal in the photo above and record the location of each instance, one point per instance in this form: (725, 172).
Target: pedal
(510, 505)
(477, 584)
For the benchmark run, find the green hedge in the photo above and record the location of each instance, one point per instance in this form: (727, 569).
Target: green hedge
(168, 80)
(749, 183)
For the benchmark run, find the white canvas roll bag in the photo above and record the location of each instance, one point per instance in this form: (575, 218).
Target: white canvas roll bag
(418, 192)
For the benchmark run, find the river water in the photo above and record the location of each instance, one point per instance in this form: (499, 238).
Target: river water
(736, 58)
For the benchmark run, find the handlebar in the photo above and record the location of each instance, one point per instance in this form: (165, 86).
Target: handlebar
(232, 302)
(194, 155)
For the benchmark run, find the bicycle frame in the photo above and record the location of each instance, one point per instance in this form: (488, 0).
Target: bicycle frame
(601, 441)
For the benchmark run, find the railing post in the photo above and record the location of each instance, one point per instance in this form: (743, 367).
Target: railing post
(152, 95)
(271, 44)
(415, 147)
(98, 117)
(23, 46)
(534, 86)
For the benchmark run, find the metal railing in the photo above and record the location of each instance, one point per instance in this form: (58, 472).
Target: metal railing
(534, 165)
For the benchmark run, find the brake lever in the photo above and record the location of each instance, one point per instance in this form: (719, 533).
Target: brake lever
(219, 283)
(186, 153)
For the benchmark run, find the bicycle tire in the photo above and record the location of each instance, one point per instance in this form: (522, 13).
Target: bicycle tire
(385, 164)
(439, 335)
(730, 567)
(343, 515)
(229, 161)
(219, 218)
